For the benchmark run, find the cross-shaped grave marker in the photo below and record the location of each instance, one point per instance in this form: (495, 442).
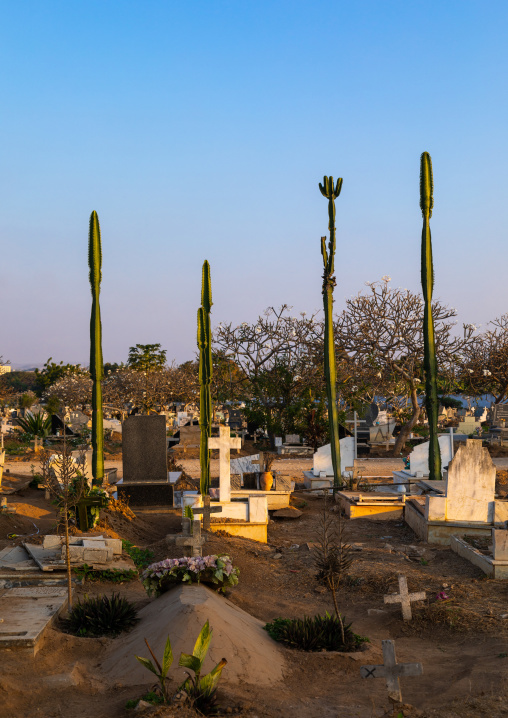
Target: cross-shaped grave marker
(224, 443)
(392, 671)
(191, 541)
(207, 510)
(405, 598)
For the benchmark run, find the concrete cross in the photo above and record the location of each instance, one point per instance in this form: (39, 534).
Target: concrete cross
(392, 671)
(405, 598)
(191, 542)
(206, 511)
(224, 443)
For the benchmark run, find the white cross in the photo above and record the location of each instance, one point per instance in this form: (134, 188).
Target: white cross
(224, 443)
(392, 671)
(405, 598)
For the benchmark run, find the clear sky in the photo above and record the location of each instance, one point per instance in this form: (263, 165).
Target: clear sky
(201, 130)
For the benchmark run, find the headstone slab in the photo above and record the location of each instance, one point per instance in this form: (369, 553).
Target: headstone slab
(146, 494)
(419, 457)
(471, 484)
(144, 449)
(292, 439)
(323, 457)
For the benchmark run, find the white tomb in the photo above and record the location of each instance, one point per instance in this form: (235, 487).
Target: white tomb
(419, 457)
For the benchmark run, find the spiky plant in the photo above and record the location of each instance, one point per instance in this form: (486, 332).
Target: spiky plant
(331, 192)
(96, 364)
(102, 616)
(429, 344)
(205, 377)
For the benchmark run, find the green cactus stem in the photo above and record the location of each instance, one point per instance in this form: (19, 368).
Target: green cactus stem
(205, 377)
(96, 364)
(331, 193)
(429, 344)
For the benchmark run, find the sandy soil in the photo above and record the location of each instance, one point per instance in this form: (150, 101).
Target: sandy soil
(462, 643)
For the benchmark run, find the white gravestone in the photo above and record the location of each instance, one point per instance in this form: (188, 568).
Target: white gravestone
(245, 464)
(470, 488)
(224, 443)
(323, 457)
(419, 457)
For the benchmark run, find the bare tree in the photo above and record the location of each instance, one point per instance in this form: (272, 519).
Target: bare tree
(483, 366)
(65, 480)
(383, 330)
(276, 359)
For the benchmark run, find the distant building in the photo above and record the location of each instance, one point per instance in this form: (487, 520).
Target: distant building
(5, 368)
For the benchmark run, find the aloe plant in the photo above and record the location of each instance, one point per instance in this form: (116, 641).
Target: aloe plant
(205, 377)
(36, 424)
(331, 192)
(429, 344)
(96, 363)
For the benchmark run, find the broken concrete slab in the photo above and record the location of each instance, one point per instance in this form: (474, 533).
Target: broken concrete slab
(27, 613)
(17, 558)
(54, 559)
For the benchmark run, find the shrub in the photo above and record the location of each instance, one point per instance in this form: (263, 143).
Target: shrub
(315, 634)
(102, 616)
(218, 570)
(142, 557)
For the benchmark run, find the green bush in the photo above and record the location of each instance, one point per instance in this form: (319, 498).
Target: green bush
(142, 557)
(102, 616)
(314, 634)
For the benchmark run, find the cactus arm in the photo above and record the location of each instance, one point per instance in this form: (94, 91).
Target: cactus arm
(205, 377)
(429, 344)
(331, 193)
(96, 362)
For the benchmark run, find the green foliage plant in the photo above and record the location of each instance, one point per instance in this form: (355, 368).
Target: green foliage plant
(201, 689)
(96, 362)
(331, 193)
(429, 344)
(319, 633)
(110, 575)
(36, 425)
(142, 557)
(161, 671)
(102, 616)
(205, 377)
(145, 357)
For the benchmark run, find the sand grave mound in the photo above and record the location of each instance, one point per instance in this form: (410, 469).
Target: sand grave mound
(252, 656)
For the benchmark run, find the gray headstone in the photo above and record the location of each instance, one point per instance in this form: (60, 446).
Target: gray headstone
(144, 449)
(372, 414)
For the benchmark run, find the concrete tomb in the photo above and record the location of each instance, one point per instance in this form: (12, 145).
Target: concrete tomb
(321, 475)
(468, 506)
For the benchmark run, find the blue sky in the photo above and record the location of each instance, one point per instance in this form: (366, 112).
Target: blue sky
(201, 130)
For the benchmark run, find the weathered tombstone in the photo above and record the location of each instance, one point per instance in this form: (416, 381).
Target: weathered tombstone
(323, 457)
(224, 443)
(419, 457)
(190, 539)
(292, 439)
(405, 598)
(190, 436)
(392, 671)
(145, 471)
(372, 414)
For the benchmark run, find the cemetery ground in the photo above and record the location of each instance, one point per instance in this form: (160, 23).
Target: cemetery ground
(461, 640)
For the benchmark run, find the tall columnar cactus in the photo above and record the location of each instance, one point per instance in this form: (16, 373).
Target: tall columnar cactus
(205, 377)
(331, 193)
(96, 364)
(429, 361)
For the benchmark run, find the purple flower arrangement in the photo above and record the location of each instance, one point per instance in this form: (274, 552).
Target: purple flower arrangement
(218, 570)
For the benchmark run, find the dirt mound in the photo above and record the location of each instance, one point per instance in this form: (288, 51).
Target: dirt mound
(252, 656)
(15, 524)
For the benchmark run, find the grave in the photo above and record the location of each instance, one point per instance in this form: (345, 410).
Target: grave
(253, 657)
(293, 445)
(190, 539)
(384, 507)
(243, 516)
(98, 552)
(419, 463)
(392, 671)
(145, 480)
(27, 612)
(405, 598)
(468, 426)
(493, 560)
(321, 476)
(468, 505)
(277, 497)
